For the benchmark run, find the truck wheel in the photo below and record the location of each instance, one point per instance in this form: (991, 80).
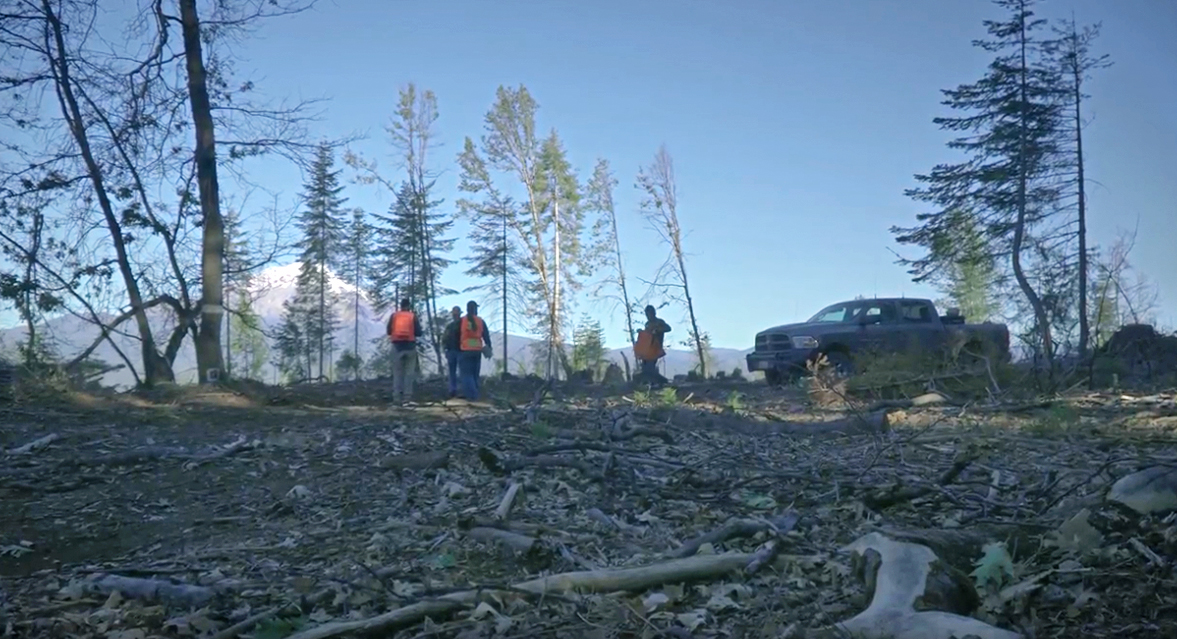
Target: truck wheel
(773, 377)
(842, 364)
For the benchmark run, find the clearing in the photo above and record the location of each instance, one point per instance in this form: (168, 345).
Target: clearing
(717, 508)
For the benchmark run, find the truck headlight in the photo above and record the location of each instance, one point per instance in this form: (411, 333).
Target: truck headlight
(804, 342)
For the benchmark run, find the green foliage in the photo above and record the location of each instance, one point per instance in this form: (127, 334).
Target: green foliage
(734, 401)
(380, 363)
(667, 396)
(280, 627)
(1059, 419)
(531, 251)
(588, 347)
(1003, 194)
(707, 363)
(970, 279)
(410, 248)
(541, 430)
(349, 365)
(994, 569)
(248, 350)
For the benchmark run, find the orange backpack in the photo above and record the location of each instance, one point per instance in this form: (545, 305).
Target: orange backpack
(645, 349)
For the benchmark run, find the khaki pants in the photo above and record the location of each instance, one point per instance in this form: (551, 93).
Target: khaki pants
(404, 370)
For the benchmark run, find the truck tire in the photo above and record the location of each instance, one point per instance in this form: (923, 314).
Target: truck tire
(842, 364)
(773, 377)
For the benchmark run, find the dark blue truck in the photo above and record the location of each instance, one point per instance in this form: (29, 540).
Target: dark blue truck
(887, 325)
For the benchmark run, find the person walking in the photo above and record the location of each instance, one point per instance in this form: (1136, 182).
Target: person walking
(474, 344)
(649, 347)
(404, 327)
(451, 341)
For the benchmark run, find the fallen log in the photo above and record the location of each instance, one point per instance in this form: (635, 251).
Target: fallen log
(734, 529)
(587, 581)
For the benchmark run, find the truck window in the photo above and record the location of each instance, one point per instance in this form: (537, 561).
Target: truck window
(916, 312)
(834, 314)
(875, 313)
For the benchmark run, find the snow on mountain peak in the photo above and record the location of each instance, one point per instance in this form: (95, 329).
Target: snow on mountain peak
(286, 276)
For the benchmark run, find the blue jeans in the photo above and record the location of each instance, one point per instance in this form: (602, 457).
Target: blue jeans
(451, 361)
(470, 364)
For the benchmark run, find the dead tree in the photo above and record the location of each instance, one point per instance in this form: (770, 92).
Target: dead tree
(660, 208)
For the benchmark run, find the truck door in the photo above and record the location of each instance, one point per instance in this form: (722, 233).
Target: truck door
(922, 327)
(885, 331)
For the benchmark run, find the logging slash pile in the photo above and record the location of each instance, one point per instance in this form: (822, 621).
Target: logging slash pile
(722, 509)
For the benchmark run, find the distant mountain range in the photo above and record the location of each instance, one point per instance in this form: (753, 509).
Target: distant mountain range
(269, 290)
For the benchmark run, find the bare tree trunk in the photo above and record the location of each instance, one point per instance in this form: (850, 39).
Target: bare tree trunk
(209, 359)
(1020, 227)
(356, 319)
(661, 208)
(322, 316)
(155, 368)
(229, 343)
(554, 340)
(621, 282)
(686, 289)
(506, 358)
(1084, 328)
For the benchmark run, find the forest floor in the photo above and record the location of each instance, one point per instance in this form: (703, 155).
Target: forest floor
(322, 511)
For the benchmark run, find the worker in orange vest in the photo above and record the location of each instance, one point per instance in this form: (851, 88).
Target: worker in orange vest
(403, 330)
(649, 348)
(474, 344)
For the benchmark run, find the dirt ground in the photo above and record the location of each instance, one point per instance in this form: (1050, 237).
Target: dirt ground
(320, 511)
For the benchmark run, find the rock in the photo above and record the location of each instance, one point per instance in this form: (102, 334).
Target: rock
(1151, 490)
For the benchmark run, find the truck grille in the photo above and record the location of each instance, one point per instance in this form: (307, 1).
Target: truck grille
(772, 343)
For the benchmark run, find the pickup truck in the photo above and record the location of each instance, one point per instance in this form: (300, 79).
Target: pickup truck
(894, 325)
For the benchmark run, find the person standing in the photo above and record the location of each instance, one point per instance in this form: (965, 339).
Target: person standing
(474, 344)
(403, 330)
(649, 348)
(451, 341)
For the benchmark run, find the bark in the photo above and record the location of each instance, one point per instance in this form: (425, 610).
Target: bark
(1077, 77)
(155, 368)
(209, 357)
(1020, 227)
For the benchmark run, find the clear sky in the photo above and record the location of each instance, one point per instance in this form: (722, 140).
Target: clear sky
(795, 125)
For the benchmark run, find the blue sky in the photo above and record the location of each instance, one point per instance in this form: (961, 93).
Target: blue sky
(794, 126)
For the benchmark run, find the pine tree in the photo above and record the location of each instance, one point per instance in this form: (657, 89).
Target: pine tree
(495, 256)
(293, 357)
(411, 255)
(323, 243)
(1007, 131)
(588, 347)
(547, 226)
(412, 244)
(359, 235)
(1075, 61)
(970, 281)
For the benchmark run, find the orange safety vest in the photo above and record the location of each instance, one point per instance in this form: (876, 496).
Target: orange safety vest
(471, 338)
(400, 329)
(645, 349)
